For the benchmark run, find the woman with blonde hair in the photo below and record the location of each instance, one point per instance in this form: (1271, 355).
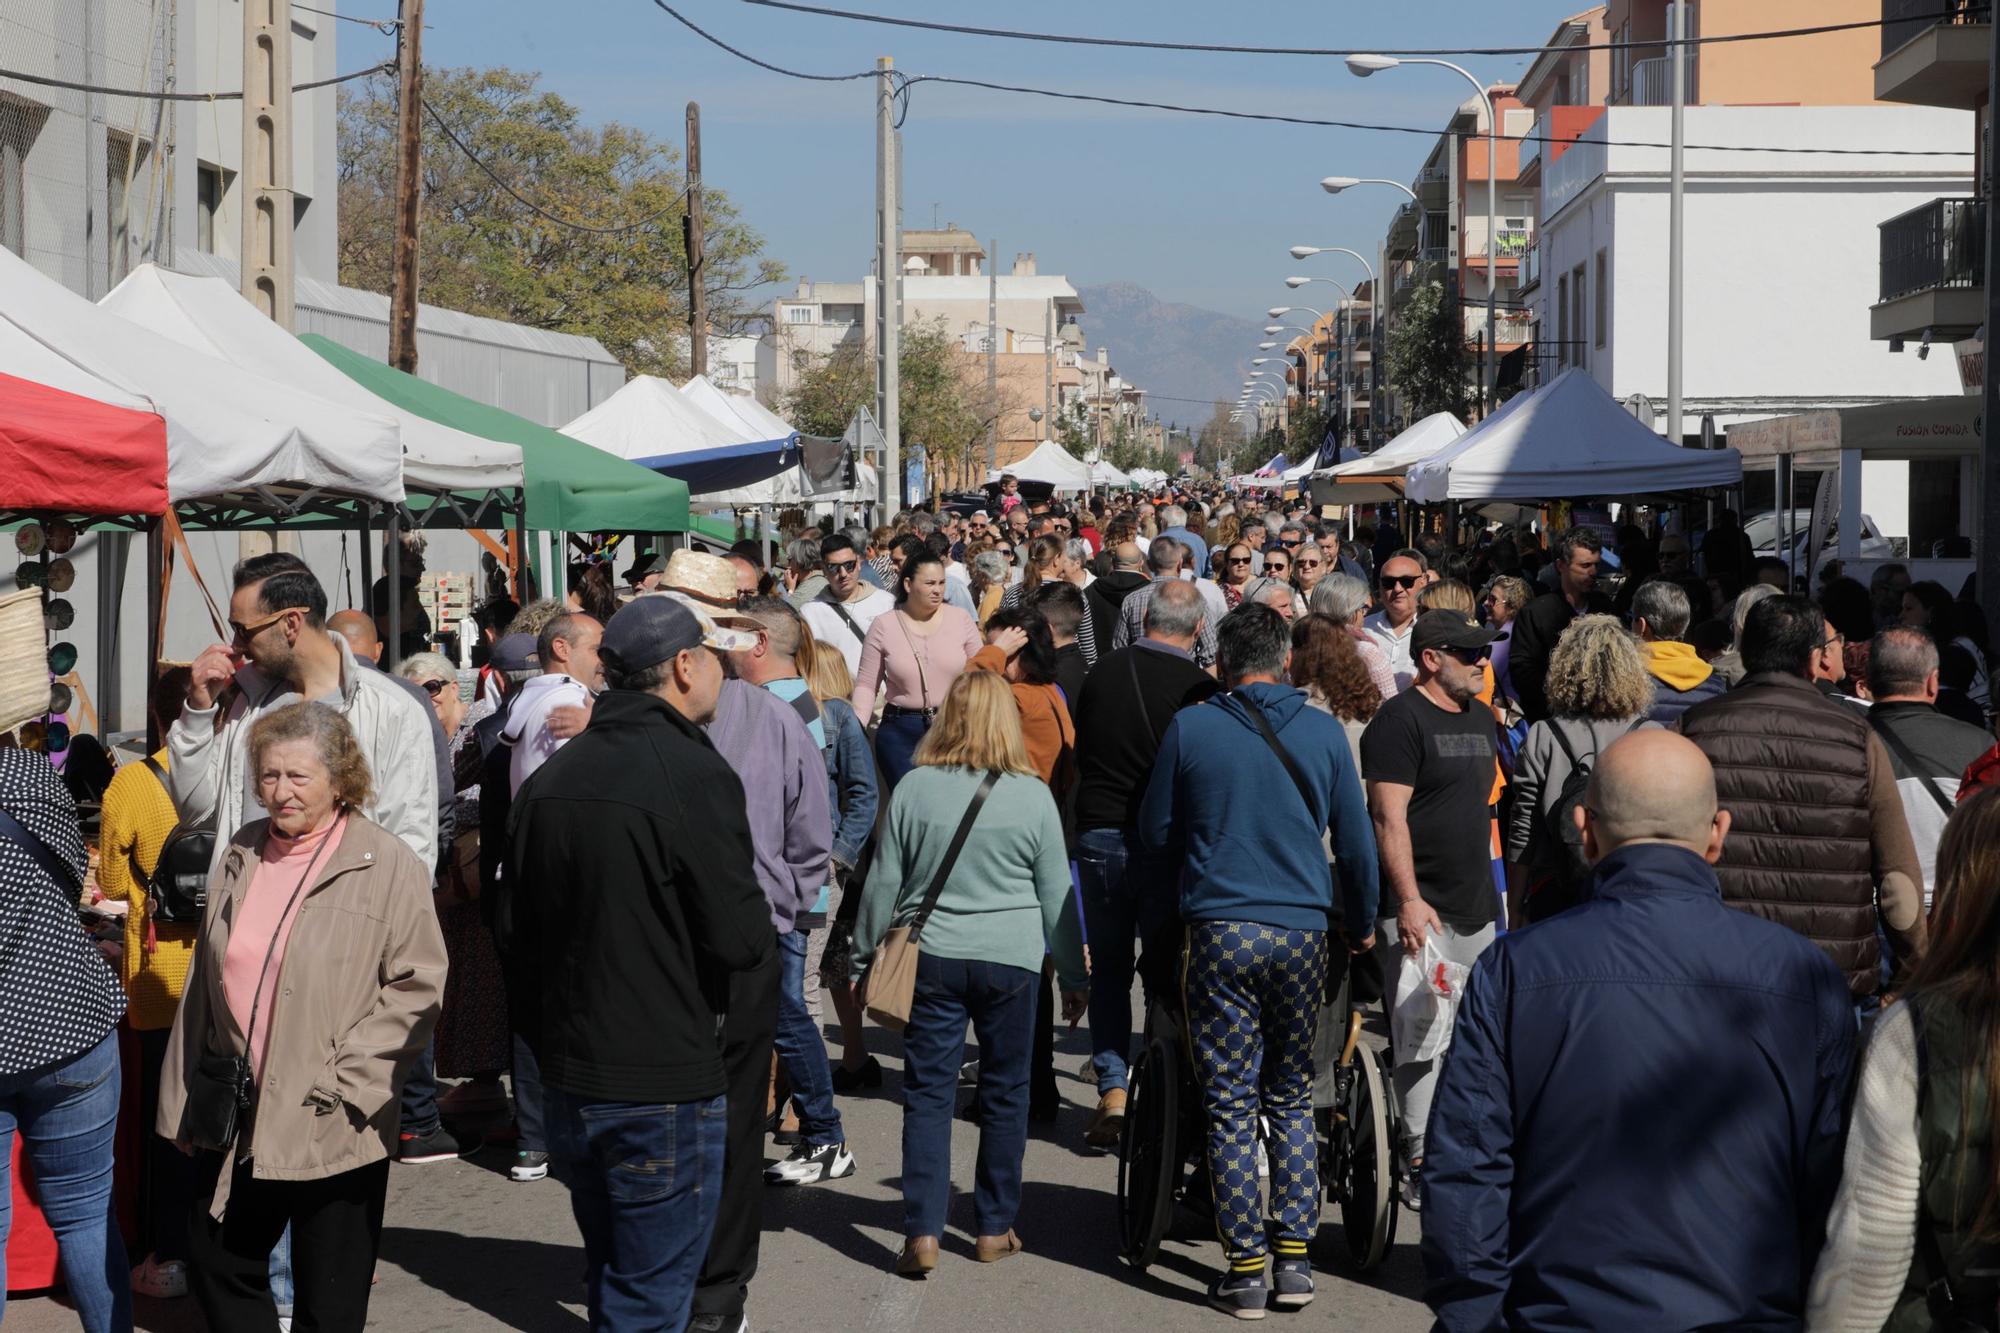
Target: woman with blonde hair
(1001, 902)
(1599, 690)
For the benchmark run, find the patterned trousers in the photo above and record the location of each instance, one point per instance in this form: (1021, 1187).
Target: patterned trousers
(1253, 994)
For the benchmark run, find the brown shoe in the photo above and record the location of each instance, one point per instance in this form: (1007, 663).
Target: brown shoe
(1107, 1123)
(919, 1257)
(992, 1249)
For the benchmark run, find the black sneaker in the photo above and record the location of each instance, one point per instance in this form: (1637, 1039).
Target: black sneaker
(1291, 1284)
(719, 1323)
(1413, 1187)
(528, 1167)
(811, 1163)
(426, 1149)
(847, 1080)
(1243, 1295)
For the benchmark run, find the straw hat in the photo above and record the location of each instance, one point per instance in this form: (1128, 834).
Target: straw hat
(708, 581)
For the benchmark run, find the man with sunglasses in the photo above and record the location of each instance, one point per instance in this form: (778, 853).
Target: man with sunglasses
(280, 653)
(1428, 756)
(1390, 628)
(841, 615)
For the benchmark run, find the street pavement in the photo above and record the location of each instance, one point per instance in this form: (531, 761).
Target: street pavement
(465, 1249)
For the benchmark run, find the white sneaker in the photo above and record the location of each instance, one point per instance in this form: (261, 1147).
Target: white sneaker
(161, 1279)
(529, 1166)
(811, 1163)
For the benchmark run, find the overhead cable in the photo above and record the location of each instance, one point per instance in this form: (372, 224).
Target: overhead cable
(49, 81)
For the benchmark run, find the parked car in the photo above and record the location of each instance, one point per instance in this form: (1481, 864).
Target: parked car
(1762, 530)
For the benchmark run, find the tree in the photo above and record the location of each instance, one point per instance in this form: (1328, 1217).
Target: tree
(486, 254)
(1427, 352)
(1217, 439)
(1306, 431)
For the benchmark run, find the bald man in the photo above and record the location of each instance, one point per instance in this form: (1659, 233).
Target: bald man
(1639, 1123)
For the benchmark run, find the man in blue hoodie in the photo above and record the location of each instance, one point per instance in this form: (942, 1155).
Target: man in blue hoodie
(1242, 791)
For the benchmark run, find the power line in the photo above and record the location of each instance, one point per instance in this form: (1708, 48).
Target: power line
(387, 27)
(905, 86)
(147, 94)
(1068, 39)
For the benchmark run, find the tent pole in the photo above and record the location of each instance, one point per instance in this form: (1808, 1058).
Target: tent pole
(521, 555)
(113, 551)
(367, 553)
(394, 560)
(155, 563)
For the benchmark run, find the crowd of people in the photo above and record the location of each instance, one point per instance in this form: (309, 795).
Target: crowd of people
(991, 766)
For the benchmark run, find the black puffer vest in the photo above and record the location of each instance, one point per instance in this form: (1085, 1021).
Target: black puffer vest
(1791, 768)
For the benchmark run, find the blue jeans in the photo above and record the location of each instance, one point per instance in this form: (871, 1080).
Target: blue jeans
(896, 746)
(1000, 1003)
(528, 1103)
(420, 1094)
(802, 1048)
(644, 1184)
(68, 1114)
(1112, 874)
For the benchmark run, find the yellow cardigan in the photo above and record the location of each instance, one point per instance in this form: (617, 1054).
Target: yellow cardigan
(138, 816)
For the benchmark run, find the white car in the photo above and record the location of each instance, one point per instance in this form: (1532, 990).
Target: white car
(1762, 530)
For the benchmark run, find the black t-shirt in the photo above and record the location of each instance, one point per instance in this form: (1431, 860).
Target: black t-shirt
(1447, 760)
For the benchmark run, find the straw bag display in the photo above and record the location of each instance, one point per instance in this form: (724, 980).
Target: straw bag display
(889, 987)
(24, 659)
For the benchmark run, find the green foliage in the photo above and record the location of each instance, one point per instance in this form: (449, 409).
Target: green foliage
(485, 254)
(1307, 428)
(1427, 353)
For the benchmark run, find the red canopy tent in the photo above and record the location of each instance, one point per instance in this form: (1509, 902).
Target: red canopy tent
(74, 455)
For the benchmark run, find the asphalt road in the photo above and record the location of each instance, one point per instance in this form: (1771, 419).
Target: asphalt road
(465, 1249)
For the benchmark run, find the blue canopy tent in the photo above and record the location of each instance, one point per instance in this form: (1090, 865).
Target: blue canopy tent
(653, 424)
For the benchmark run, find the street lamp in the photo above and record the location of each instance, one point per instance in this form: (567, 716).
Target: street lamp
(1335, 184)
(1361, 66)
(1376, 403)
(1308, 251)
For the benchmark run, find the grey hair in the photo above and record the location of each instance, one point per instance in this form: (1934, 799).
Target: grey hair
(1252, 641)
(1174, 610)
(1900, 659)
(923, 522)
(1165, 556)
(1077, 549)
(802, 553)
(1746, 599)
(1299, 528)
(1664, 608)
(1339, 596)
(856, 534)
(419, 665)
(1172, 516)
(991, 566)
(1273, 523)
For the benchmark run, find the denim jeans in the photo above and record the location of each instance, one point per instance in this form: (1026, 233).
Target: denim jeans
(420, 1094)
(896, 741)
(645, 1181)
(801, 1046)
(1112, 875)
(67, 1115)
(528, 1100)
(1000, 1003)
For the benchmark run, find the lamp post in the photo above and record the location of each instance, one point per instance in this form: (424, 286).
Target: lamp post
(1361, 66)
(1344, 310)
(1378, 408)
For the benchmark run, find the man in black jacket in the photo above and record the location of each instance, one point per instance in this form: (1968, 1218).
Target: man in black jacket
(629, 903)
(1543, 620)
(1107, 595)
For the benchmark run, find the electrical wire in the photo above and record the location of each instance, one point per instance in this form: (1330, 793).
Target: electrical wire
(47, 81)
(1133, 43)
(906, 83)
(387, 27)
(535, 208)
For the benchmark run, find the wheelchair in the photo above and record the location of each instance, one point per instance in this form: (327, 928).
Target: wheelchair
(1163, 1144)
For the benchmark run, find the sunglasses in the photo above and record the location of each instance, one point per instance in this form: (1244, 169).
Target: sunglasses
(245, 633)
(434, 687)
(842, 566)
(1466, 656)
(1401, 580)
(1289, 543)
(1309, 564)
(1239, 559)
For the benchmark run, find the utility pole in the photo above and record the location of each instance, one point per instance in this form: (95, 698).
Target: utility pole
(266, 268)
(409, 167)
(1048, 369)
(1988, 538)
(993, 351)
(888, 287)
(1676, 190)
(691, 236)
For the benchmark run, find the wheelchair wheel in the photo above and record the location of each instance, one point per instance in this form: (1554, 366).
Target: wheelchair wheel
(1149, 1153)
(1367, 1188)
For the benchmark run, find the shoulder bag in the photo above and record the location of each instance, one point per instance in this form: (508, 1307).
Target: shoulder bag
(1902, 752)
(889, 987)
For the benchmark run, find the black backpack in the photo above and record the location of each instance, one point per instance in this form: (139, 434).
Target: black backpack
(177, 890)
(1572, 870)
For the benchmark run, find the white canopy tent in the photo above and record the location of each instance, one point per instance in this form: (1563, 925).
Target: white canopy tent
(1103, 474)
(788, 488)
(755, 421)
(1377, 477)
(654, 424)
(1348, 453)
(1567, 439)
(1050, 464)
(209, 316)
(228, 430)
(1147, 476)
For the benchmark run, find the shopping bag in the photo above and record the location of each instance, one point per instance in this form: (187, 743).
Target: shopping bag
(1428, 988)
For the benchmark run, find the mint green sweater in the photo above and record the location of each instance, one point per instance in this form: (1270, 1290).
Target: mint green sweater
(1008, 892)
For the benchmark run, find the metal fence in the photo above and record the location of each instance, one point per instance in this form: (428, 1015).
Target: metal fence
(1935, 245)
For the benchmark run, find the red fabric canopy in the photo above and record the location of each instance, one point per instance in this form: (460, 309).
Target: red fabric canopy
(76, 455)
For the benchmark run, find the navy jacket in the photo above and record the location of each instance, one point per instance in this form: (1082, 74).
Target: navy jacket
(1639, 1122)
(1222, 801)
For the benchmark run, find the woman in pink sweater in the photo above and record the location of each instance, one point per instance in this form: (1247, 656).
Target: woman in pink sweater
(913, 654)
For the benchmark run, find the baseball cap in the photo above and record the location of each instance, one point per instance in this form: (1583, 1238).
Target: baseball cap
(650, 629)
(1449, 629)
(515, 652)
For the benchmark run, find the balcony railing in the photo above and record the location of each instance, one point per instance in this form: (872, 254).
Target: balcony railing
(1935, 245)
(1531, 267)
(1531, 149)
(1904, 19)
(1653, 81)
(1512, 324)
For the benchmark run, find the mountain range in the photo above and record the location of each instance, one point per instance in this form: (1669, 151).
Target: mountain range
(1186, 358)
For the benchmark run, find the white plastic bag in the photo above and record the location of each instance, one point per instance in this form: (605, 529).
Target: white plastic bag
(1428, 987)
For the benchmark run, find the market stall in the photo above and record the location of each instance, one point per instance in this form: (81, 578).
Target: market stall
(1050, 465)
(1103, 474)
(1378, 477)
(654, 424)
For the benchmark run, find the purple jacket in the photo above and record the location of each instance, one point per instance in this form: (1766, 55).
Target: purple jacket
(785, 790)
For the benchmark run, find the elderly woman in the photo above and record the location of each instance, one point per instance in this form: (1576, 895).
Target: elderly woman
(1728, 663)
(1599, 690)
(1502, 601)
(1002, 902)
(1343, 599)
(315, 984)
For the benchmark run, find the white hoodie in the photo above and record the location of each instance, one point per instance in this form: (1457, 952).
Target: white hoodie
(527, 730)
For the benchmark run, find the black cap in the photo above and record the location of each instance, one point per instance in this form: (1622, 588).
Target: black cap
(1449, 629)
(644, 564)
(515, 652)
(649, 630)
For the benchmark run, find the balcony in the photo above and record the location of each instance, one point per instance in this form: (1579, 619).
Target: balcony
(1933, 272)
(1531, 269)
(1932, 61)
(1530, 155)
(1433, 186)
(1512, 325)
(1653, 81)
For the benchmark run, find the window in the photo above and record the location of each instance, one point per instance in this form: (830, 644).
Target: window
(1600, 310)
(1562, 323)
(20, 122)
(1516, 121)
(1580, 91)
(798, 314)
(124, 159)
(207, 202)
(1576, 291)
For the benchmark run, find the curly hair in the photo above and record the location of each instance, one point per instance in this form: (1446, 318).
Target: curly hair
(1598, 671)
(331, 737)
(1324, 657)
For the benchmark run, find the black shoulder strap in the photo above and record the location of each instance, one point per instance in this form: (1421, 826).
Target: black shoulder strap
(951, 853)
(153, 767)
(1284, 755)
(18, 833)
(1909, 761)
(805, 706)
(860, 636)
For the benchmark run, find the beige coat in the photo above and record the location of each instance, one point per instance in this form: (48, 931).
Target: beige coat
(350, 1007)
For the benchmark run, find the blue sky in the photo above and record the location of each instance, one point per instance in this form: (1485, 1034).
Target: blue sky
(1196, 209)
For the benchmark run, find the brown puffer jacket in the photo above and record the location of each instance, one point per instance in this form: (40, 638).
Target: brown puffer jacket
(1816, 824)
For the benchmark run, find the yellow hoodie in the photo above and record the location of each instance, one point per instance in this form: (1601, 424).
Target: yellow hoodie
(1676, 664)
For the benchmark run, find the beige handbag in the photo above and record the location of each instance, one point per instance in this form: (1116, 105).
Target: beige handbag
(889, 986)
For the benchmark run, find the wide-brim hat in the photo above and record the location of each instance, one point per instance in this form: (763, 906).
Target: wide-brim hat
(709, 580)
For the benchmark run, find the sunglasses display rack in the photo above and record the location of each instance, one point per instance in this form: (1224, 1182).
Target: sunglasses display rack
(44, 546)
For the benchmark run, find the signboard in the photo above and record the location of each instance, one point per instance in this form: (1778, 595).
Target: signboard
(1971, 355)
(1825, 500)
